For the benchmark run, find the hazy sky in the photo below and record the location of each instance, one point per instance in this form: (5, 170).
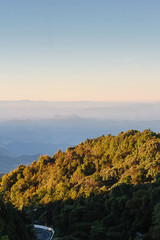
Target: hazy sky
(69, 50)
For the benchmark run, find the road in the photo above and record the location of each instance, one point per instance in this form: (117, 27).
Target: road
(43, 233)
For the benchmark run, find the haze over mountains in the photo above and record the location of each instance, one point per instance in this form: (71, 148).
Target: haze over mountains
(22, 110)
(29, 128)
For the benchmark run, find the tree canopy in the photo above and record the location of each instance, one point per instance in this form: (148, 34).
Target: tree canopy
(103, 188)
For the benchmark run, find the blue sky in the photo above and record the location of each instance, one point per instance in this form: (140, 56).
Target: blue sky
(77, 50)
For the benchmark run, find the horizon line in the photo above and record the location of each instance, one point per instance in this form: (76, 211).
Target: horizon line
(81, 101)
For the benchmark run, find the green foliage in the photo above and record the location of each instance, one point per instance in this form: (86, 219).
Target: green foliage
(104, 188)
(13, 224)
(132, 157)
(4, 238)
(126, 212)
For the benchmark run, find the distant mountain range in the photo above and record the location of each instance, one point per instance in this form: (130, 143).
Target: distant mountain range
(8, 163)
(22, 110)
(1, 174)
(29, 129)
(23, 141)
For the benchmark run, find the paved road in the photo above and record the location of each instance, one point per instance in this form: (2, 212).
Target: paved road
(43, 233)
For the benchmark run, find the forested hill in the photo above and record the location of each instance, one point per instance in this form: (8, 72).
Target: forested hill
(94, 166)
(104, 188)
(14, 225)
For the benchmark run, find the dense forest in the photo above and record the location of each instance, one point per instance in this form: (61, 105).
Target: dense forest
(105, 188)
(14, 224)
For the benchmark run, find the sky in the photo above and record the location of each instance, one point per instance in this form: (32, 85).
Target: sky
(80, 50)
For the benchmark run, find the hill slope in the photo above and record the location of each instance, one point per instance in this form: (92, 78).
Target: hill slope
(104, 188)
(13, 224)
(93, 166)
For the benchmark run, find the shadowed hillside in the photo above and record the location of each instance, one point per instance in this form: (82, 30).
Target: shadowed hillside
(103, 188)
(14, 225)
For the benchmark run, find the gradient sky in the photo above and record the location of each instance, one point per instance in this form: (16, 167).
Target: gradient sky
(77, 50)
